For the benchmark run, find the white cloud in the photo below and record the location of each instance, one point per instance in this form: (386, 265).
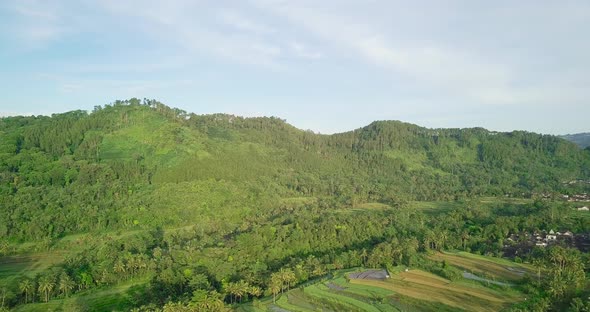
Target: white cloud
(436, 64)
(38, 23)
(236, 34)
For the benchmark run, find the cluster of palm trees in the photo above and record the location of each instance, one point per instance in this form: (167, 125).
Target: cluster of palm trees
(281, 280)
(237, 290)
(135, 264)
(566, 271)
(46, 286)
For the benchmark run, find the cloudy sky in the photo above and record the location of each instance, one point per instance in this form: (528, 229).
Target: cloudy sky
(328, 66)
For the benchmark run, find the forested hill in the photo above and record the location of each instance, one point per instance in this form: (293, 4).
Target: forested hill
(582, 139)
(142, 164)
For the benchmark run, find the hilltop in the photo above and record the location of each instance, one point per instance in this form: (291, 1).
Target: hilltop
(148, 204)
(120, 150)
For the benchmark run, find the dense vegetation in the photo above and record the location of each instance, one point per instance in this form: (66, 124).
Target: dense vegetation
(203, 211)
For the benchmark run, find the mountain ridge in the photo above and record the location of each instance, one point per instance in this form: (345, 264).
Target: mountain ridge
(581, 139)
(137, 148)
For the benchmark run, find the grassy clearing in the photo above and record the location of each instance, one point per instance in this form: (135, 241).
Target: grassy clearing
(506, 200)
(438, 207)
(13, 267)
(373, 206)
(495, 268)
(412, 159)
(115, 298)
(435, 207)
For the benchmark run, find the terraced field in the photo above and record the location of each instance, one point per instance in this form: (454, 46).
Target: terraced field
(411, 290)
(498, 269)
(13, 267)
(115, 298)
(425, 286)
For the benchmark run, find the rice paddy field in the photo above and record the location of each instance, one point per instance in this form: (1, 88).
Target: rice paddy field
(408, 289)
(114, 298)
(496, 268)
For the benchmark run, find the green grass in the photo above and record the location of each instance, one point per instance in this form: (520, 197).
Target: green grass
(322, 291)
(413, 160)
(284, 302)
(373, 206)
(435, 207)
(114, 298)
(424, 286)
(14, 267)
(496, 268)
(440, 207)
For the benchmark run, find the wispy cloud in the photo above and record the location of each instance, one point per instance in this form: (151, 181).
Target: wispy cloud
(435, 64)
(37, 22)
(387, 57)
(238, 34)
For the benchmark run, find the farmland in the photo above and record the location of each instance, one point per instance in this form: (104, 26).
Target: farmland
(406, 290)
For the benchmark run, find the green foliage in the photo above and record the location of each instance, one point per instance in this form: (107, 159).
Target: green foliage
(220, 208)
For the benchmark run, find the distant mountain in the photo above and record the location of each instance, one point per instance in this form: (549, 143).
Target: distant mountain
(582, 139)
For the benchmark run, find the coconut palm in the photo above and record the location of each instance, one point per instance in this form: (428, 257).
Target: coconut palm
(255, 291)
(287, 277)
(275, 287)
(26, 286)
(46, 286)
(539, 263)
(241, 289)
(230, 289)
(66, 284)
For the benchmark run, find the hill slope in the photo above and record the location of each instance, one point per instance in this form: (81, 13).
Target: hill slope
(116, 164)
(582, 139)
(138, 204)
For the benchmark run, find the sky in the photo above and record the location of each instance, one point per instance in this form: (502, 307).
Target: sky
(327, 66)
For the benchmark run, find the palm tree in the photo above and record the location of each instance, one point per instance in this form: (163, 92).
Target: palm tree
(46, 286)
(364, 256)
(26, 286)
(211, 302)
(66, 284)
(255, 291)
(289, 277)
(241, 289)
(5, 293)
(275, 287)
(464, 238)
(539, 264)
(230, 289)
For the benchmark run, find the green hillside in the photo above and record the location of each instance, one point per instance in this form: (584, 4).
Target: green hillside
(153, 206)
(582, 139)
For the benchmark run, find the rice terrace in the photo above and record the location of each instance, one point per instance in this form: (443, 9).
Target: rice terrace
(410, 289)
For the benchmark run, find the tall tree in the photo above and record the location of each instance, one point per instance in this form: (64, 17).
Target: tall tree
(66, 284)
(46, 285)
(26, 286)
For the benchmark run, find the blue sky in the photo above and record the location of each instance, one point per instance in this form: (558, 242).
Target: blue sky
(328, 66)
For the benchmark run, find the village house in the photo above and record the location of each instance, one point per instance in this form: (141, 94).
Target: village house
(551, 236)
